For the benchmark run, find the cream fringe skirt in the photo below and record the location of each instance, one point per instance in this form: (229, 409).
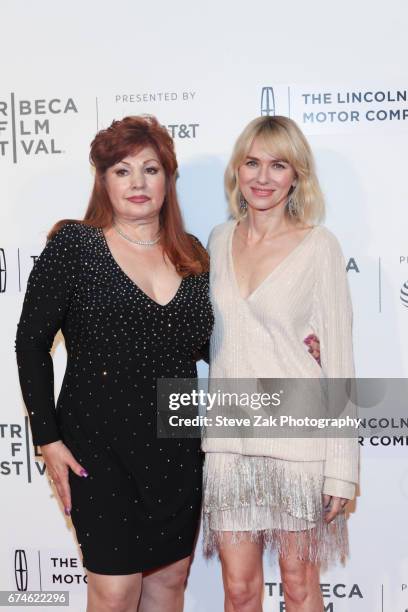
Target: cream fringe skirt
(264, 499)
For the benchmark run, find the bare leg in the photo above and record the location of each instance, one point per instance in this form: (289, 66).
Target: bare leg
(242, 574)
(300, 581)
(163, 588)
(113, 593)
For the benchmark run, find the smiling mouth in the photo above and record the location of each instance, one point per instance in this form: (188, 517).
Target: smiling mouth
(263, 193)
(138, 199)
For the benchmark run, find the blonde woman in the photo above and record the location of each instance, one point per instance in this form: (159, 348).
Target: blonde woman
(277, 277)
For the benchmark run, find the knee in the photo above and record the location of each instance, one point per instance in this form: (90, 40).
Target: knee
(241, 591)
(112, 600)
(294, 585)
(172, 580)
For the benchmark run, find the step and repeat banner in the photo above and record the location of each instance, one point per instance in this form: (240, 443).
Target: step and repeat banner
(76, 72)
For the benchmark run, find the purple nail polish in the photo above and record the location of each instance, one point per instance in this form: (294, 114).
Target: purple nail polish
(84, 473)
(67, 511)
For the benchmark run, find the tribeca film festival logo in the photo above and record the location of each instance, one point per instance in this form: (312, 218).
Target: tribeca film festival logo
(47, 570)
(313, 106)
(15, 452)
(338, 593)
(26, 126)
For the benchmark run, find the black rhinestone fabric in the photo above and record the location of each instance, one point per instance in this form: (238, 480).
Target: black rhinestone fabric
(140, 505)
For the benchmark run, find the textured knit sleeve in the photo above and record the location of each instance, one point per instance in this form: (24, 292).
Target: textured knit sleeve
(333, 324)
(49, 290)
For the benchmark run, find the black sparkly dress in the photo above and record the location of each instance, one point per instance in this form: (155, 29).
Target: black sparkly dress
(139, 508)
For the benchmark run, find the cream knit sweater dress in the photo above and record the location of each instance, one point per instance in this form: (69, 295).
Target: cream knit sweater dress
(263, 488)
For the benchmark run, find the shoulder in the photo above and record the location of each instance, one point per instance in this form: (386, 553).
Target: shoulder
(194, 240)
(219, 232)
(328, 255)
(326, 241)
(200, 281)
(73, 234)
(73, 241)
(222, 228)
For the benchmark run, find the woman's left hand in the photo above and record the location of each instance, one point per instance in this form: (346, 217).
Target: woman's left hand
(313, 344)
(333, 506)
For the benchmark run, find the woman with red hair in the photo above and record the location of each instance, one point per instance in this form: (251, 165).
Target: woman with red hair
(128, 287)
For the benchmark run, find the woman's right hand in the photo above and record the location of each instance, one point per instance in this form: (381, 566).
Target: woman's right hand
(58, 460)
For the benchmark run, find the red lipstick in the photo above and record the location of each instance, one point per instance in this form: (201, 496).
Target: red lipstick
(138, 199)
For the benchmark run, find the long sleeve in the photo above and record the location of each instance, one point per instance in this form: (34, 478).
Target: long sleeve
(203, 353)
(49, 291)
(333, 324)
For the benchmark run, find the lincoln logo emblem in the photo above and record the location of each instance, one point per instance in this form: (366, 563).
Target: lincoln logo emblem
(20, 570)
(267, 101)
(3, 271)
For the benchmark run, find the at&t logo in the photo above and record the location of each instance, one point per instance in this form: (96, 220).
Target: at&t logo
(404, 294)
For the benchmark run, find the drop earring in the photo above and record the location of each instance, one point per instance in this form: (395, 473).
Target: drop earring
(291, 203)
(292, 207)
(243, 204)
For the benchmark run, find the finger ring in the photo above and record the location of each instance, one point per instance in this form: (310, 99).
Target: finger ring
(50, 480)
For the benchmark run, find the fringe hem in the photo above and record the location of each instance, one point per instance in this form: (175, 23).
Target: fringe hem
(323, 544)
(272, 501)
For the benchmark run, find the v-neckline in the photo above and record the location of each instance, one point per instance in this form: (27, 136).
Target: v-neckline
(131, 281)
(268, 276)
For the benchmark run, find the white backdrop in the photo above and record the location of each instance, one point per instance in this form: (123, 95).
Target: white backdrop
(205, 70)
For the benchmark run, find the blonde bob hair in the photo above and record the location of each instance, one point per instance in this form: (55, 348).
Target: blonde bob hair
(284, 140)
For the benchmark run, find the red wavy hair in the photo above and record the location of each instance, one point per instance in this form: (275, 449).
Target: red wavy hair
(124, 138)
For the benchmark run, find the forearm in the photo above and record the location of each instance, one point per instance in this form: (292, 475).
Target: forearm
(36, 376)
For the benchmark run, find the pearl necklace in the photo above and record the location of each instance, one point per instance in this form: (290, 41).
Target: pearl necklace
(146, 243)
